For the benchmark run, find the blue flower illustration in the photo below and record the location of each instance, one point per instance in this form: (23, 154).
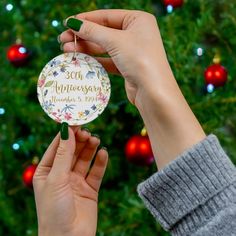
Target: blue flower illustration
(102, 71)
(86, 112)
(55, 73)
(90, 75)
(47, 106)
(68, 108)
(54, 62)
(93, 107)
(45, 93)
(63, 69)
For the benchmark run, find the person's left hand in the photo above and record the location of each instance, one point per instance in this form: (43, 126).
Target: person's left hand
(66, 192)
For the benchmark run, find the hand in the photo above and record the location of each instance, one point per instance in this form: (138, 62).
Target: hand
(130, 38)
(133, 42)
(66, 192)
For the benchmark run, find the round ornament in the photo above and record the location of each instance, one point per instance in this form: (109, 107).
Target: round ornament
(74, 88)
(173, 3)
(216, 75)
(18, 54)
(138, 150)
(28, 175)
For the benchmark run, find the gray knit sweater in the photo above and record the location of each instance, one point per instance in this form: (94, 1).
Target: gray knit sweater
(196, 193)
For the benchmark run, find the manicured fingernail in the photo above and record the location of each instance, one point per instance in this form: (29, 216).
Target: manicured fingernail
(61, 46)
(95, 135)
(74, 24)
(64, 131)
(85, 129)
(58, 39)
(104, 148)
(64, 22)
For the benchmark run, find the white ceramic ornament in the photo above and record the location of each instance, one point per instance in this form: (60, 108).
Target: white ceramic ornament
(73, 88)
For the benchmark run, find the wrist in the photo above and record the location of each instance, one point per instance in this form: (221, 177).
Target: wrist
(171, 125)
(155, 78)
(156, 89)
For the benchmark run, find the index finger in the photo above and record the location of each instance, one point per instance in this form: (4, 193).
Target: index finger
(112, 18)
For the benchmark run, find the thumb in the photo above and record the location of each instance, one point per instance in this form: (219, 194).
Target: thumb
(93, 32)
(65, 151)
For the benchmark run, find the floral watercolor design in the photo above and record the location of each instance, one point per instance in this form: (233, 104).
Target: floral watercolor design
(68, 108)
(102, 97)
(90, 74)
(73, 113)
(68, 116)
(41, 81)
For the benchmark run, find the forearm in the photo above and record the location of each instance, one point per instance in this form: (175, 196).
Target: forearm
(195, 194)
(170, 123)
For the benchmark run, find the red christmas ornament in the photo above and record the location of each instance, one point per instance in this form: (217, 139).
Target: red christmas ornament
(138, 150)
(173, 3)
(28, 175)
(216, 75)
(18, 54)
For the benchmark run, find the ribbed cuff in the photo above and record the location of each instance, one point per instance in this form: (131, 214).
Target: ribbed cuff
(191, 188)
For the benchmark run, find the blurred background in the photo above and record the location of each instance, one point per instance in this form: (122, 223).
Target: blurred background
(200, 40)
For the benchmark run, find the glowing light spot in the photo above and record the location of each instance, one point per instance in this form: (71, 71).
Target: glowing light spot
(200, 52)
(9, 7)
(22, 50)
(210, 88)
(217, 74)
(209, 74)
(132, 146)
(169, 8)
(2, 111)
(55, 23)
(16, 146)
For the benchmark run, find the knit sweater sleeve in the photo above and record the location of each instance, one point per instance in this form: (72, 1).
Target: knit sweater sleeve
(196, 193)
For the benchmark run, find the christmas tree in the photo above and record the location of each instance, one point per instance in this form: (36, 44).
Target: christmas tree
(200, 41)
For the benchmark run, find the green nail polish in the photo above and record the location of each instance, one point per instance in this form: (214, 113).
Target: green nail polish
(85, 129)
(61, 46)
(104, 148)
(74, 24)
(95, 135)
(58, 39)
(64, 22)
(64, 131)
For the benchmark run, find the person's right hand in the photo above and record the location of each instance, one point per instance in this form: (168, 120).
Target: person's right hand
(131, 39)
(133, 42)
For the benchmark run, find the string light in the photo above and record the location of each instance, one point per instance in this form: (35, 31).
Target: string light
(9, 7)
(210, 88)
(200, 52)
(55, 23)
(169, 8)
(2, 111)
(16, 146)
(22, 50)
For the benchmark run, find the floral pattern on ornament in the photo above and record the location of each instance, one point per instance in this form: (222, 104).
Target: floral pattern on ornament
(89, 71)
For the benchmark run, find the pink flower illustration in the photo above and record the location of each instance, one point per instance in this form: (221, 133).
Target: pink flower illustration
(101, 97)
(76, 62)
(67, 116)
(41, 82)
(58, 120)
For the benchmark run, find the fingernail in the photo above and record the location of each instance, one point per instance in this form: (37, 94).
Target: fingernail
(64, 131)
(85, 129)
(58, 39)
(104, 148)
(61, 46)
(74, 24)
(95, 135)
